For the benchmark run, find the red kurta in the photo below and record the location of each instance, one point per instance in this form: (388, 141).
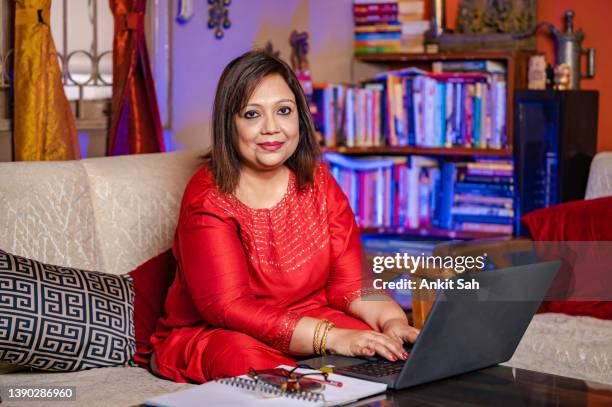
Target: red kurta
(246, 276)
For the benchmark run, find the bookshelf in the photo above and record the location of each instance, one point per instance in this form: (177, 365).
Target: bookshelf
(441, 151)
(430, 232)
(515, 64)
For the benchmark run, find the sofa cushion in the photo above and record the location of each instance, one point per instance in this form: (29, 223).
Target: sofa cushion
(136, 203)
(589, 220)
(600, 176)
(63, 319)
(572, 346)
(151, 282)
(110, 386)
(46, 213)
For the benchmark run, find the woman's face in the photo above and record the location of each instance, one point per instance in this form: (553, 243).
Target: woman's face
(268, 126)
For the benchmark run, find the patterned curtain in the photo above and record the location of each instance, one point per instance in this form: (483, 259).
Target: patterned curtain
(135, 123)
(44, 127)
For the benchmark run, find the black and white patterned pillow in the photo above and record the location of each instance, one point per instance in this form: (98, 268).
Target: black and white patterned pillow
(64, 319)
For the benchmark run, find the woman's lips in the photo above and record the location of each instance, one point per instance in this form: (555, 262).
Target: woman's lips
(271, 145)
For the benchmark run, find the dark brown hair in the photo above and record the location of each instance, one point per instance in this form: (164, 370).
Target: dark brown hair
(238, 82)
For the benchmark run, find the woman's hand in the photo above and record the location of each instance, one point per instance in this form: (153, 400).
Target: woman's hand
(399, 330)
(355, 342)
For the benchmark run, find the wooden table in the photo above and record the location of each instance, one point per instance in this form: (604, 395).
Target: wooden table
(498, 386)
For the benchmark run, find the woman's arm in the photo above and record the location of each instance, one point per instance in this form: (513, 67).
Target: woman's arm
(384, 315)
(347, 342)
(215, 270)
(348, 286)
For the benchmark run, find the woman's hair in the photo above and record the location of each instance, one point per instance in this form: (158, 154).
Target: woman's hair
(238, 82)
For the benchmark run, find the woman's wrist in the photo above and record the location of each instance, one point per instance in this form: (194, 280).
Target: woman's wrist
(320, 337)
(332, 340)
(384, 323)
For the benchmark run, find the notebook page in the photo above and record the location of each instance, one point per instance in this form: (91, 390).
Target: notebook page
(219, 394)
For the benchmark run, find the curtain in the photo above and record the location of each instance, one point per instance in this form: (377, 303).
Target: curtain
(135, 122)
(44, 126)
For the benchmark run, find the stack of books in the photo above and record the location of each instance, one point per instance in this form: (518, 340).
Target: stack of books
(398, 193)
(349, 115)
(389, 26)
(480, 194)
(411, 107)
(417, 192)
(411, 15)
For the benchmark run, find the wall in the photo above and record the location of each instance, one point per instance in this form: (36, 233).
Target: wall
(199, 58)
(592, 17)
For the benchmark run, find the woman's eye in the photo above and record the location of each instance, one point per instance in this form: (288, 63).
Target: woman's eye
(251, 114)
(284, 110)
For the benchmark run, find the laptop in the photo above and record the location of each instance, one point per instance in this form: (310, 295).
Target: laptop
(466, 329)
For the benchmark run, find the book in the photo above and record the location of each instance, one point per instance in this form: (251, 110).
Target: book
(374, 8)
(412, 7)
(469, 66)
(240, 391)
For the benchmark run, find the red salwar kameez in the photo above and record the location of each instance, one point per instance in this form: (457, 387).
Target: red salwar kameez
(246, 276)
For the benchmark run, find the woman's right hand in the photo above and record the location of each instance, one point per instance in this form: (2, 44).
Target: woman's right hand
(355, 342)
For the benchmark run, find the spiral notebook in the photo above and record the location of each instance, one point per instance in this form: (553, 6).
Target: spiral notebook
(239, 391)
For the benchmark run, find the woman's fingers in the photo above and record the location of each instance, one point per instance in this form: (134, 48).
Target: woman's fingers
(370, 342)
(409, 334)
(395, 346)
(404, 333)
(387, 347)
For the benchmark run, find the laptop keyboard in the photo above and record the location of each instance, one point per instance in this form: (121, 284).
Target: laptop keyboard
(376, 368)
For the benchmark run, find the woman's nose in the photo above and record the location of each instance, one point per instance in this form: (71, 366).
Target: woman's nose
(269, 124)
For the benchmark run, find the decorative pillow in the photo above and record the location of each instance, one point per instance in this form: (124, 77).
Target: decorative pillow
(588, 220)
(63, 319)
(151, 282)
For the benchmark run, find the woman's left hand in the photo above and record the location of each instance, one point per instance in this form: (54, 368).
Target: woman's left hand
(398, 328)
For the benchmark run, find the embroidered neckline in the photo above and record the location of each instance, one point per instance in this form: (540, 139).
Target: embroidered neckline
(277, 206)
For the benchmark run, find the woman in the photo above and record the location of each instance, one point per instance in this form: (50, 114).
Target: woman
(270, 261)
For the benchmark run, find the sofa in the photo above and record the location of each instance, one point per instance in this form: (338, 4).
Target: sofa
(105, 214)
(113, 214)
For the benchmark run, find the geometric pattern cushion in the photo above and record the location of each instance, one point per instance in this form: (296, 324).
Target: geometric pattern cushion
(64, 319)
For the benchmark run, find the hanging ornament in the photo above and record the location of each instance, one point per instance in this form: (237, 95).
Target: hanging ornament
(218, 16)
(185, 11)
(299, 61)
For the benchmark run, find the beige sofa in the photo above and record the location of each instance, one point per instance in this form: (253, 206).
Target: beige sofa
(112, 214)
(105, 214)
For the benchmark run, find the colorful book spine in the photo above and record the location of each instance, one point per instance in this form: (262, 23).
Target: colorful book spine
(417, 192)
(414, 108)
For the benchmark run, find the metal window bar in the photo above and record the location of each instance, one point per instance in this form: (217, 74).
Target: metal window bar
(7, 10)
(69, 78)
(92, 116)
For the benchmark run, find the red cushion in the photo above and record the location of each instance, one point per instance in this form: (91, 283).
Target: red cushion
(588, 220)
(151, 282)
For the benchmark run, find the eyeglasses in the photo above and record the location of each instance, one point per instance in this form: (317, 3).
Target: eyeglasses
(278, 381)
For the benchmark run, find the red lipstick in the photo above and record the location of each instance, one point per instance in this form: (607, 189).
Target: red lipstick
(271, 145)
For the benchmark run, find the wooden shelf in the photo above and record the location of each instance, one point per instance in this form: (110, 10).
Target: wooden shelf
(455, 151)
(431, 232)
(428, 57)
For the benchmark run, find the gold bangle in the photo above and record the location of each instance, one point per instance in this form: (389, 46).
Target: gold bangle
(328, 328)
(315, 339)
